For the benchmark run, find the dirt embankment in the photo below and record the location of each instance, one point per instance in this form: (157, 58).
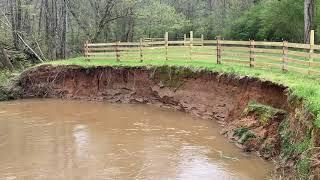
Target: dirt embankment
(258, 115)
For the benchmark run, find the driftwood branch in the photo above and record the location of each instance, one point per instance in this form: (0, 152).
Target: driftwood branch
(38, 57)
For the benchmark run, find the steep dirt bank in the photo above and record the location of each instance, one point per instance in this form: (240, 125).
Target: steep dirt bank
(258, 115)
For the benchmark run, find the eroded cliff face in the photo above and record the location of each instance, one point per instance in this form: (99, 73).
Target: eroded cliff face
(206, 94)
(222, 97)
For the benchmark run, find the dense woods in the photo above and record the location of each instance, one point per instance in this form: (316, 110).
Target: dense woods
(35, 30)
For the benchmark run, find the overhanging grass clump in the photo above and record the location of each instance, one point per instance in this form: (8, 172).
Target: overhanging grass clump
(265, 113)
(302, 86)
(240, 131)
(244, 134)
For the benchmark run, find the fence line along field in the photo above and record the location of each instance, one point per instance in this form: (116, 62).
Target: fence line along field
(300, 58)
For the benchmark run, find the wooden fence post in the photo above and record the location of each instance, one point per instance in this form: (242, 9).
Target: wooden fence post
(117, 51)
(191, 38)
(252, 44)
(86, 50)
(185, 39)
(218, 50)
(284, 55)
(141, 53)
(166, 39)
(311, 51)
(191, 44)
(202, 40)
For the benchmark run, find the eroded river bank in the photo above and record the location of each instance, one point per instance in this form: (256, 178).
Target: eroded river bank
(55, 139)
(257, 115)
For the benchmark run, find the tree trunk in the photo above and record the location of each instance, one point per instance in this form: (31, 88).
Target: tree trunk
(19, 16)
(64, 31)
(13, 5)
(308, 19)
(40, 18)
(50, 27)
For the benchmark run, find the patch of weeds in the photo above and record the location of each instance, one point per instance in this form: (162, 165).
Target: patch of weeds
(247, 136)
(5, 82)
(304, 145)
(244, 134)
(264, 112)
(286, 136)
(4, 76)
(303, 167)
(240, 131)
(292, 149)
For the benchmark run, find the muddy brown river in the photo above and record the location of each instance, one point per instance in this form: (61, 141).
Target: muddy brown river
(55, 139)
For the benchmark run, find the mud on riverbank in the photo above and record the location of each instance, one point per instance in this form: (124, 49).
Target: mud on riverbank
(258, 115)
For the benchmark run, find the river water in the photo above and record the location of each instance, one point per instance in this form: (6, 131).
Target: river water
(55, 139)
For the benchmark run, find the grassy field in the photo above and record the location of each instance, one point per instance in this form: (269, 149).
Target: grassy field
(303, 86)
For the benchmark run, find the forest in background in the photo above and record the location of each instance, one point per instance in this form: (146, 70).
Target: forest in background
(32, 31)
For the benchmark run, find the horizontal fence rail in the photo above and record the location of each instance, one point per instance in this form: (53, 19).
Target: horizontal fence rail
(300, 58)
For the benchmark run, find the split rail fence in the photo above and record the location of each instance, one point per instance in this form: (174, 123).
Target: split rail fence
(300, 58)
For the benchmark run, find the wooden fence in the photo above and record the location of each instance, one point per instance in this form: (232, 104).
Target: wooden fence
(301, 58)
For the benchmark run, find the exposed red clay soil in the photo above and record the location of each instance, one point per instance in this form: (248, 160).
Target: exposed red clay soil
(205, 94)
(209, 95)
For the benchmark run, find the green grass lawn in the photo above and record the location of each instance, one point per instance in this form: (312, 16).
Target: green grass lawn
(302, 86)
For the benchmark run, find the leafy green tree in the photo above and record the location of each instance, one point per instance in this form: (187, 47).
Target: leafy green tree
(271, 20)
(155, 18)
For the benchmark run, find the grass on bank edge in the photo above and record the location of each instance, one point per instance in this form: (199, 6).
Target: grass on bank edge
(301, 86)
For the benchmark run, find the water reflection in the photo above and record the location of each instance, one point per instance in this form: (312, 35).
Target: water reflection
(194, 163)
(81, 140)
